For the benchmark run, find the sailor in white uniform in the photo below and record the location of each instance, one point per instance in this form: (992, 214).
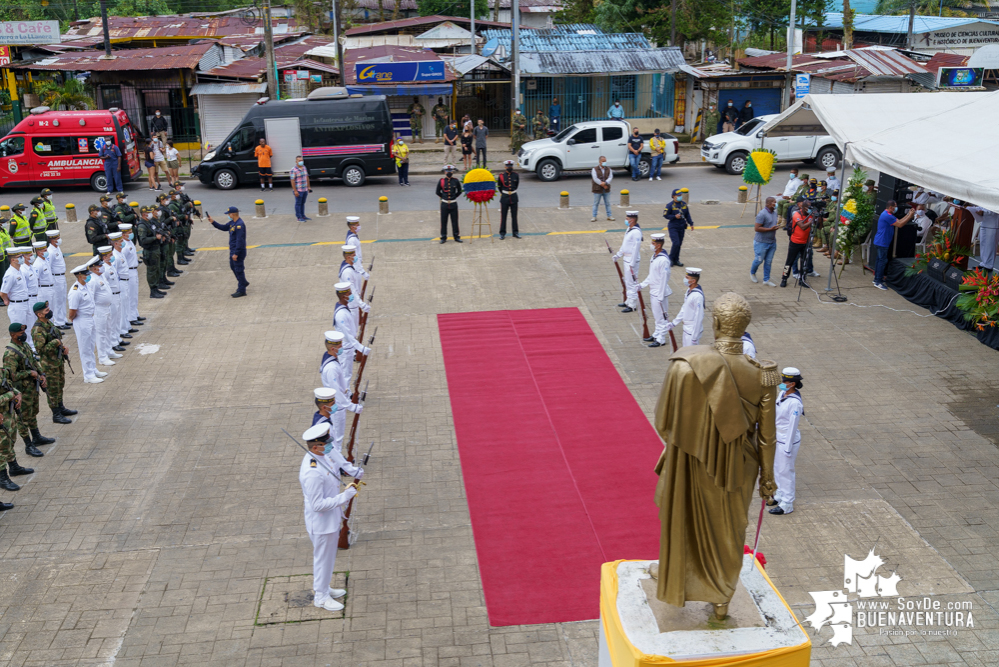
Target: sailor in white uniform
(353, 227)
(132, 263)
(43, 272)
(789, 410)
(57, 265)
(350, 274)
(31, 282)
(14, 288)
(692, 312)
(659, 290)
(81, 316)
(110, 272)
(325, 505)
(748, 346)
(101, 293)
(344, 322)
(631, 252)
(334, 377)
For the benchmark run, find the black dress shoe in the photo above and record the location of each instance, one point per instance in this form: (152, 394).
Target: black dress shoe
(156, 295)
(772, 503)
(6, 506)
(458, 241)
(182, 261)
(6, 482)
(167, 282)
(125, 342)
(132, 331)
(677, 263)
(163, 286)
(140, 318)
(236, 295)
(125, 335)
(14, 469)
(626, 309)
(622, 305)
(777, 510)
(649, 339)
(135, 323)
(118, 348)
(174, 273)
(443, 240)
(516, 236)
(502, 237)
(58, 418)
(655, 343)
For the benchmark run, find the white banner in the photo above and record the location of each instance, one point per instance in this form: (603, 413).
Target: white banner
(27, 33)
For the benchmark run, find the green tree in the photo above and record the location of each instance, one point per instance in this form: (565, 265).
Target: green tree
(695, 19)
(577, 11)
(452, 8)
(767, 18)
(926, 7)
(72, 94)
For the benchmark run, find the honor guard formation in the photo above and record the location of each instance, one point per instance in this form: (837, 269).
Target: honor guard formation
(330, 447)
(101, 306)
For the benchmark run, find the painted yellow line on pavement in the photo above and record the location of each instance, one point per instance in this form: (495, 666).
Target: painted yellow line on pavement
(595, 231)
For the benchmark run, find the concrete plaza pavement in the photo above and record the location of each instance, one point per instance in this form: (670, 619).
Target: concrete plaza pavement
(165, 525)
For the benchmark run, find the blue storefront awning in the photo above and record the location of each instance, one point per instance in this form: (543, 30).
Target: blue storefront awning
(402, 89)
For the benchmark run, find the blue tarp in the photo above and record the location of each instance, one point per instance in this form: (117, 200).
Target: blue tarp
(402, 90)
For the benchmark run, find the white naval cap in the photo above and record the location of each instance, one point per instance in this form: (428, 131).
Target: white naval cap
(692, 271)
(659, 237)
(96, 259)
(105, 249)
(52, 233)
(317, 432)
(348, 248)
(790, 371)
(334, 336)
(114, 236)
(123, 225)
(18, 250)
(351, 219)
(80, 269)
(37, 245)
(342, 287)
(631, 214)
(325, 394)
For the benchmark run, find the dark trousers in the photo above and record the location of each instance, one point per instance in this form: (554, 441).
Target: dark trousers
(300, 204)
(880, 264)
(404, 173)
(113, 175)
(508, 203)
(239, 270)
(794, 250)
(151, 258)
(676, 241)
(449, 211)
(480, 150)
(804, 264)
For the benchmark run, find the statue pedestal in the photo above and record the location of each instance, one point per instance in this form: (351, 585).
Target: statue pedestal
(637, 630)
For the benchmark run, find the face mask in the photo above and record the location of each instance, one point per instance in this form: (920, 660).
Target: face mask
(21, 337)
(157, 114)
(920, 214)
(730, 104)
(834, 198)
(866, 188)
(350, 299)
(749, 106)
(87, 279)
(328, 448)
(782, 387)
(301, 164)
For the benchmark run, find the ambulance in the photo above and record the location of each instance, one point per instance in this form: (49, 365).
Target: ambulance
(51, 148)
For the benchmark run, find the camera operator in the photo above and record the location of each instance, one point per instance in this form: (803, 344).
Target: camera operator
(800, 228)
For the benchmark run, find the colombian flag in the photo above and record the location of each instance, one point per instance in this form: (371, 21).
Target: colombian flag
(479, 185)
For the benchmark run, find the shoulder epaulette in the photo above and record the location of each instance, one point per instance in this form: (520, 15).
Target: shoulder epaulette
(769, 377)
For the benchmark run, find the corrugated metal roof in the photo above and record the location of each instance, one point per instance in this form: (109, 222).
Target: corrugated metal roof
(882, 62)
(851, 65)
(945, 60)
(126, 60)
(402, 24)
(466, 63)
(227, 88)
(601, 61)
(124, 28)
(446, 30)
(575, 37)
(900, 24)
(714, 71)
(391, 54)
(254, 68)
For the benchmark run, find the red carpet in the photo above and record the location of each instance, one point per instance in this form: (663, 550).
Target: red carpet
(557, 459)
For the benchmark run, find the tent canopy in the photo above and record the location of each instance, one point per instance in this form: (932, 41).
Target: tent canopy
(941, 141)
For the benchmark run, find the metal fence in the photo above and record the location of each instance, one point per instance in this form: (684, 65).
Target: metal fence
(585, 98)
(140, 100)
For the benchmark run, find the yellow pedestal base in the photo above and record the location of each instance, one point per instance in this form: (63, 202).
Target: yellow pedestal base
(632, 637)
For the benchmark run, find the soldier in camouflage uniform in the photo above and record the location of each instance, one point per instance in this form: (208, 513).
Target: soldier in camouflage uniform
(540, 124)
(167, 224)
(107, 214)
(518, 132)
(149, 239)
(19, 362)
(52, 355)
(188, 206)
(10, 403)
(123, 213)
(416, 112)
(441, 115)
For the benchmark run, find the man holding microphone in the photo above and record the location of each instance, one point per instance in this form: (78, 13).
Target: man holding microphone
(237, 247)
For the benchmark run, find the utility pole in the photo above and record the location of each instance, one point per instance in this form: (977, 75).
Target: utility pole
(107, 31)
(515, 51)
(272, 82)
(339, 46)
(790, 51)
(909, 42)
(672, 23)
(472, 28)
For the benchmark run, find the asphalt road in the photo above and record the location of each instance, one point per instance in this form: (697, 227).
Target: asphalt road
(704, 182)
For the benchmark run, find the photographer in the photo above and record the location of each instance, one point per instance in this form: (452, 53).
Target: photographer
(801, 224)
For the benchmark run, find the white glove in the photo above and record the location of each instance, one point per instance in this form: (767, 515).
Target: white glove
(366, 351)
(670, 326)
(366, 308)
(360, 473)
(616, 257)
(355, 407)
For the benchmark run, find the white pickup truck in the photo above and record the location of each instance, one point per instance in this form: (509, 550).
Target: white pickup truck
(580, 146)
(730, 150)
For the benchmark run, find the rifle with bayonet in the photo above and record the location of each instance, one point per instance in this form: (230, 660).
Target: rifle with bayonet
(360, 370)
(364, 316)
(344, 542)
(364, 285)
(353, 426)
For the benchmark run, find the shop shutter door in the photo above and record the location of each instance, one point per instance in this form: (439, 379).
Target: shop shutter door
(221, 114)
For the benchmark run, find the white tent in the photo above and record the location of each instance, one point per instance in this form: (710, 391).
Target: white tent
(945, 142)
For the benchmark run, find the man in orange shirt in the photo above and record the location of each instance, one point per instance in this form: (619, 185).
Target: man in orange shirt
(264, 153)
(801, 224)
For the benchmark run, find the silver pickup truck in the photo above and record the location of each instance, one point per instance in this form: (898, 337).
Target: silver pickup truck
(580, 146)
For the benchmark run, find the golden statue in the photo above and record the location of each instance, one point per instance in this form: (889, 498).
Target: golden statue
(716, 416)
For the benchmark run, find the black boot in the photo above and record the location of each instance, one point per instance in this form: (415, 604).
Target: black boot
(6, 482)
(15, 469)
(173, 273)
(140, 318)
(31, 450)
(66, 411)
(40, 439)
(58, 418)
(156, 294)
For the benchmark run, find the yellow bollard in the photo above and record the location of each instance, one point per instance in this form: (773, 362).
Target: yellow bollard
(743, 194)
(261, 211)
(625, 198)
(563, 199)
(685, 195)
(383, 208)
(70, 212)
(4, 212)
(197, 207)
(324, 208)
(134, 205)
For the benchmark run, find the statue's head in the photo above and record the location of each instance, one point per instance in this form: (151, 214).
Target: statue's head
(732, 315)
